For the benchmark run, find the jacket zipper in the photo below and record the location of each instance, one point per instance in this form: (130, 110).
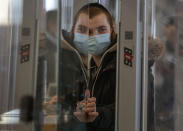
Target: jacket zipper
(82, 65)
(93, 87)
(98, 72)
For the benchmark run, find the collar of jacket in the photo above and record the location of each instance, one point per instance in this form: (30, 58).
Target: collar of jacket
(108, 54)
(107, 62)
(66, 43)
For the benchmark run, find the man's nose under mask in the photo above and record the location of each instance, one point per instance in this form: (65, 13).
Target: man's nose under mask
(95, 45)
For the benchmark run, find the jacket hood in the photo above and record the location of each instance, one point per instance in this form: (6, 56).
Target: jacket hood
(67, 42)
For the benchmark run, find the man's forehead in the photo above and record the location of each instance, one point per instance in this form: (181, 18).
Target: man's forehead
(83, 18)
(88, 16)
(98, 20)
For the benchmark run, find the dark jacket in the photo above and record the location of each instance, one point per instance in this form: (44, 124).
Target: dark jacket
(101, 82)
(151, 97)
(102, 85)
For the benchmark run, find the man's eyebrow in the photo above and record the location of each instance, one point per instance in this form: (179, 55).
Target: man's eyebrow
(82, 26)
(102, 26)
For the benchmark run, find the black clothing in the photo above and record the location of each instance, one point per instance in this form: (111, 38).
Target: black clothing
(104, 87)
(151, 95)
(101, 82)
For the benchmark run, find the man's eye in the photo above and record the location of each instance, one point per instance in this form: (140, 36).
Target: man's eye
(102, 30)
(82, 29)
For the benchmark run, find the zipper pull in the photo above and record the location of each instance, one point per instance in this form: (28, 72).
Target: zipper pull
(87, 94)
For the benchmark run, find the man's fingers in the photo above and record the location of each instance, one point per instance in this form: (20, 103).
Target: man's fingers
(92, 104)
(92, 109)
(83, 101)
(92, 99)
(81, 106)
(94, 114)
(80, 116)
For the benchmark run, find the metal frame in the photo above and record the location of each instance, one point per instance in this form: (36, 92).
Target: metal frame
(128, 107)
(118, 25)
(178, 73)
(25, 71)
(59, 42)
(145, 67)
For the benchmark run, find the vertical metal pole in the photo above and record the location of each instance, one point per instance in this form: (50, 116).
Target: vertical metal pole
(36, 103)
(59, 25)
(129, 70)
(138, 67)
(153, 19)
(118, 27)
(145, 66)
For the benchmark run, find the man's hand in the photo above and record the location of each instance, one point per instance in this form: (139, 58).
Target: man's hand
(86, 110)
(91, 109)
(80, 113)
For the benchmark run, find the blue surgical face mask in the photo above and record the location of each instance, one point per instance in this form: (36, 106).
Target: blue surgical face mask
(80, 42)
(95, 45)
(98, 44)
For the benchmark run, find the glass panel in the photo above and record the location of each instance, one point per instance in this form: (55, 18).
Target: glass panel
(72, 69)
(87, 67)
(15, 54)
(10, 21)
(4, 53)
(165, 93)
(47, 72)
(63, 86)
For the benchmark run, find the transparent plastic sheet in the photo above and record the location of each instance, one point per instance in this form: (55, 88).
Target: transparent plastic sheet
(165, 91)
(47, 67)
(72, 68)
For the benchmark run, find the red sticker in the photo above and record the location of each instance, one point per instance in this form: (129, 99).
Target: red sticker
(128, 57)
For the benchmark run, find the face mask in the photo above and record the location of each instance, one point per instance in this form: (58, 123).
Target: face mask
(80, 42)
(98, 44)
(95, 45)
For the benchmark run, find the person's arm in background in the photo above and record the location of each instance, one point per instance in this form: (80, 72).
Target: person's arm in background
(156, 51)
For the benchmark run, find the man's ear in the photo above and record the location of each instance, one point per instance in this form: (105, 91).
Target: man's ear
(72, 33)
(113, 33)
(114, 27)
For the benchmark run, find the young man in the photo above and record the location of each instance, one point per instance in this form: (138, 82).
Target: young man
(94, 34)
(93, 41)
